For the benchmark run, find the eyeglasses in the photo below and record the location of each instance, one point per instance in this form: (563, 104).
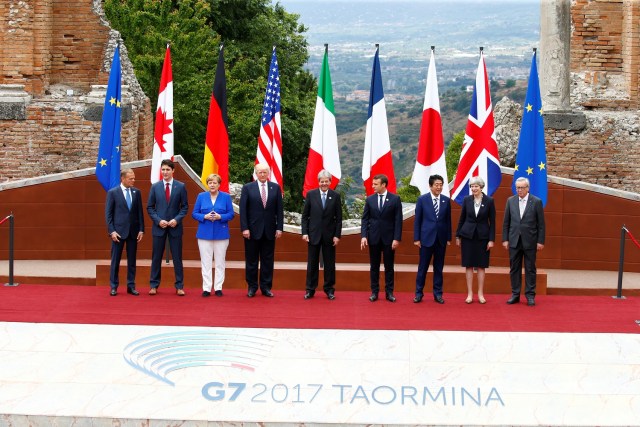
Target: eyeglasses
(521, 188)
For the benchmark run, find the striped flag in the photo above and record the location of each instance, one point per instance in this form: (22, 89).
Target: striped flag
(270, 139)
(479, 156)
(323, 151)
(377, 148)
(430, 159)
(216, 148)
(108, 163)
(163, 131)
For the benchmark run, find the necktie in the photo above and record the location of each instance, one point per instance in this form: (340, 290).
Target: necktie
(522, 206)
(324, 200)
(167, 192)
(128, 198)
(380, 202)
(435, 206)
(263, 194)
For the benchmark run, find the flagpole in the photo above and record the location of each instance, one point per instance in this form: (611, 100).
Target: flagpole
(371, 147)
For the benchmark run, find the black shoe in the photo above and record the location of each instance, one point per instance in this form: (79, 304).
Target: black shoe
(251, 293)
(218, 293)
(206, 293)
(331, 296)
(417, 299)
(113, 292)
(373, 297)
(268, 294)
(439, 300)
(132, 291)
(308, 295)
(390, 297)
(531, 302)
(514, 299)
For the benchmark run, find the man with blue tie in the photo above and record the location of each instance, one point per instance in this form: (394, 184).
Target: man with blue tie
(167, 206)
(125, 224)
(432, 234)
(381, 230)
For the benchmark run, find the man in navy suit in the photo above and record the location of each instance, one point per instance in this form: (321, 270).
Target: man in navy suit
(125, 223)
(167, 206)
(321, 229)
(261, 222)
(432, 234)
(381, 230)
(523, 233)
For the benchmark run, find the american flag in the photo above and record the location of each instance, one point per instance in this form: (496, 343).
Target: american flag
(270, 140)
(479, 156)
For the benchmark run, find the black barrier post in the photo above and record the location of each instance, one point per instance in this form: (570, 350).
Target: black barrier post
(11, 282)
(623, 233)
(168, 252)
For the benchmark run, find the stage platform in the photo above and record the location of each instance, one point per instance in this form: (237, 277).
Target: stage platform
(291, 276)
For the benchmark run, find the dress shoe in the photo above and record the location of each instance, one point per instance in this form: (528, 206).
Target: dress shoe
(180, 292)
(469, 300)
(439, 300)
(153, 291)
(218, 293)
(481, 300)
(390, 297)
(206, 293)
(373, 297)
(267, 294)
(331, 296)
(417, 299)
(132, 291)
(113, 292)
(251, 294)
(531, 302)
(514, 299)
(308, 295)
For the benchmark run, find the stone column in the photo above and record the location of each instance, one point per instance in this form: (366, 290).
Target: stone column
(555, 59)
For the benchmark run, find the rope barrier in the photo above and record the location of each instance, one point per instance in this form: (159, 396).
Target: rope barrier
(3, 220)
(633, 239)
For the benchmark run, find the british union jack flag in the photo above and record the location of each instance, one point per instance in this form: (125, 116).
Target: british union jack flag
(479, 156)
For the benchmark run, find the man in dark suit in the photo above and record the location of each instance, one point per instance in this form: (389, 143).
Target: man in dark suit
(321, 229)
(432, 234)
(381, 230)
(523, 234)
(261, 222)
(125, 223)
(167, 206)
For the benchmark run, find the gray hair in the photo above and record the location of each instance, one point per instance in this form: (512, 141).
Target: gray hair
(476, 180)
(324, 174)
(523, 179)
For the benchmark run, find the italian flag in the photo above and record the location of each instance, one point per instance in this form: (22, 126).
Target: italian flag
(323, 151)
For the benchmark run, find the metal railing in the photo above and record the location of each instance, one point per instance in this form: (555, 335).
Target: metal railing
(623, 233)
(2, 221)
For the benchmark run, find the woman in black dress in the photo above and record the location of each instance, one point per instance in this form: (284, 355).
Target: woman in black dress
(476, 233)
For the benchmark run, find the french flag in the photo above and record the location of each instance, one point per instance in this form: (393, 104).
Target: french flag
(479, 156)
(430, 159)
(377, 149)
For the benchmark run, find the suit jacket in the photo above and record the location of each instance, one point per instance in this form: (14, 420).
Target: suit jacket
(159, 209)
(484, 223)
(530, 228)
(119, 218)
(258, 219)
(429, 228)
(213, 230)
(382, 226)
(322, 223)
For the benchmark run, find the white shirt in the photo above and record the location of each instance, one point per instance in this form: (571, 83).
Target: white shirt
(164, 184)
(522, 204)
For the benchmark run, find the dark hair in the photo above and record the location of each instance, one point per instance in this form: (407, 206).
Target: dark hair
(434, 178)
(168, 162)
(383, 179)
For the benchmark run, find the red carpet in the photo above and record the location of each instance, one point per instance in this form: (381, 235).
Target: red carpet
(350, 310)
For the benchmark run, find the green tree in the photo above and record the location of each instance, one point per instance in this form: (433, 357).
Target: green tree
(407, 192)
(452, 156)
(249, 29)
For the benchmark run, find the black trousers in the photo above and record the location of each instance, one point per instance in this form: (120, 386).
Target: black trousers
(437, 252)
(376, 252)
(259, 252)
(313, 269)
(516, 256)
(157, 252)
(131, 243)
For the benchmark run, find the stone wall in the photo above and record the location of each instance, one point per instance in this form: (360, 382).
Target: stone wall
(55, 58)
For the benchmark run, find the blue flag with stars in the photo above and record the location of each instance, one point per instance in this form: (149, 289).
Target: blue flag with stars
(108, 163)
(531, 158)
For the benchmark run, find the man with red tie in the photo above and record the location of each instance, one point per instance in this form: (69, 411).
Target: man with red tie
(167, 206)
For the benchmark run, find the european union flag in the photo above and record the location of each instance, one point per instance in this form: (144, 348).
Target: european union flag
(531, 158)
(108, 163)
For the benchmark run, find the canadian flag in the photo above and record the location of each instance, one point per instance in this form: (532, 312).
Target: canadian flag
(430, 158)
(163, 132)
